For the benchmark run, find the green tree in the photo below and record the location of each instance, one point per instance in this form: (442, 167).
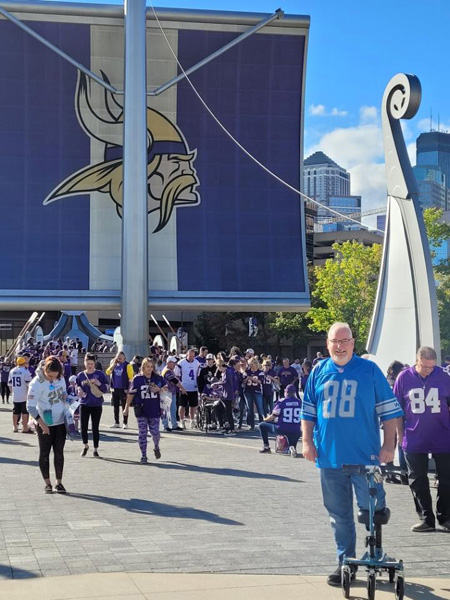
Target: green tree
(438, 231)
(345, 289)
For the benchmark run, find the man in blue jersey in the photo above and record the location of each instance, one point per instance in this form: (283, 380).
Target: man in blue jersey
(345, 399)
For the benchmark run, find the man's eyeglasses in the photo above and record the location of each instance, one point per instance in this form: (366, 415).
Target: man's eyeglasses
(342, 342)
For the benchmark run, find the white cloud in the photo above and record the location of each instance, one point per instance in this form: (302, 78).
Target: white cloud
(320, 110)
(368, 113)
(317, 110)
(335, 112)
(411, 148)
(424, 125)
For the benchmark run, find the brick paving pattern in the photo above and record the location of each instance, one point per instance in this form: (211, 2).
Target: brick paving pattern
(209, 505)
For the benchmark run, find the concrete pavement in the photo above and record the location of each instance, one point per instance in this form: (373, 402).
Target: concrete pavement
(213, 518)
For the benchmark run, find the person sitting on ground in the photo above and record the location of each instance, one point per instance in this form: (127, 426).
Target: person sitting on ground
(284, 420)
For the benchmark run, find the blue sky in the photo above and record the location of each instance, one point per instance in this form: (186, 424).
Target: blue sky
(355, 48)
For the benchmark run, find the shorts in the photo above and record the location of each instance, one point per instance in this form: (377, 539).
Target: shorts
(189, 399)
(20, 408)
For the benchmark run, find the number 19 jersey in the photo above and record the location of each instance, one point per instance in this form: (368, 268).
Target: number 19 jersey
(346, 404)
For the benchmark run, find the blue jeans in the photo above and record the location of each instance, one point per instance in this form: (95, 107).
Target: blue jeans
(172, 415)
(337, 492)
(254, 397)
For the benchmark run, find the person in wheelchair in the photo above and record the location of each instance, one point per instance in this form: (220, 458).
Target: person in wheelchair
(285, 419)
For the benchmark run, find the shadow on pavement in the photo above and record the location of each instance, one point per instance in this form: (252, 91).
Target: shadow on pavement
(148, 507)
(178, 466)
(14, 441)
(18, 461)
(16, 573)
(413, 591)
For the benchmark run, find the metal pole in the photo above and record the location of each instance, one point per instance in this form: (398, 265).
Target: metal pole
(134, 323)
(58, 51)
(160, 330)
(278, 14)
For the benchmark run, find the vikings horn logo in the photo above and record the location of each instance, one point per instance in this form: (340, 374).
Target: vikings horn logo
(171, 176)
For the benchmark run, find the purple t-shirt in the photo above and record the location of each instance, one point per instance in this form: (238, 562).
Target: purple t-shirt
(288, 411)
(119, 376)
(149, 400)
(287, 375)
(228, 382)
(425, 402)
(5, 373)
(90, 399)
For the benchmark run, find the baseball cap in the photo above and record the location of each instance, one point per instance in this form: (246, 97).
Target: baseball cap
(73, 378)
(249, 351)
(21, 361)
(171, 359)
(290, 390)
(210, 357)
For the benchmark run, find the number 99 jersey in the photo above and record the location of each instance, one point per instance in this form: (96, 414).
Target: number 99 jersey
(425, 402)
(346, 403)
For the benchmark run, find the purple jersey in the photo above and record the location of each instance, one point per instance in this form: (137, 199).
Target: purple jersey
(287, 375)
(425, 402)
(228, 382)
(143, 395)
(288, 412)
(201, 360)
(256, 385)
(267, 382)
(171, 380)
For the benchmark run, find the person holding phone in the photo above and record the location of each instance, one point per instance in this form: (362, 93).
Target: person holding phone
(47, 405)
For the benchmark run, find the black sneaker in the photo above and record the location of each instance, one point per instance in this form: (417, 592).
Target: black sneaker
(48, 489)
(265, 451)
(60, 489)
(167, 429)
(446, 525)
(95, 454)
(84, 451)
(157, 452)
(144, 460)
(423, 527)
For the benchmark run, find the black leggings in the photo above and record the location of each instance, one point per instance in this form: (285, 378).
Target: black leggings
(5, 390)
(95, 412)
(56, 439)
(119, 399)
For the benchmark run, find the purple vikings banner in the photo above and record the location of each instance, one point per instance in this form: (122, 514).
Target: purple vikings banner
(218, 224)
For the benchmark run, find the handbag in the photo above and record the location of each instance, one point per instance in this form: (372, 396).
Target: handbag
(165, 401)
(95, 390)
(138, 410)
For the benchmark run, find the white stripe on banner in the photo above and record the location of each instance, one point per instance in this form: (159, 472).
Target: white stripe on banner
(106, 226)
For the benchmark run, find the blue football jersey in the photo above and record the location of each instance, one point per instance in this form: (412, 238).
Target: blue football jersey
(346, 403)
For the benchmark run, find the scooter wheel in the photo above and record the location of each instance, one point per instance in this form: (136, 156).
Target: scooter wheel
(371, 586)
(391, 575)
(399, 588)
(346, 581)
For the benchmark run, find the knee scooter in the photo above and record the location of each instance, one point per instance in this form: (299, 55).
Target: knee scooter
(374, 559)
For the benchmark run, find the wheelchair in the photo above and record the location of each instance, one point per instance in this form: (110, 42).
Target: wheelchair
(374, 559)
(204, 411)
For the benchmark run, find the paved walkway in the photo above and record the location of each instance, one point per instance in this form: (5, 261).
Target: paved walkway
(148, 586)
(210, 505)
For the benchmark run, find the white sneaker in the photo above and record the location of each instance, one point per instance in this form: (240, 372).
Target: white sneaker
(293, 451)
(115, 426)
(124, 426)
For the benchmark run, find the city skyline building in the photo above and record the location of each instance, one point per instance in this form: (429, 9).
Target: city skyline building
(433, 150)
(324, 179)
(432, 186)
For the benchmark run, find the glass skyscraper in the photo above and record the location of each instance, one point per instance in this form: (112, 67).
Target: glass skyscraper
(433, 150)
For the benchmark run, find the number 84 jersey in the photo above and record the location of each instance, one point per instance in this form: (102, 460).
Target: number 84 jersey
(425, 402)
(347, 403)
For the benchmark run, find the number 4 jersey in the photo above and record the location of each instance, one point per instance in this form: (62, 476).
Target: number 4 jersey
(347, 403)
(425, 402)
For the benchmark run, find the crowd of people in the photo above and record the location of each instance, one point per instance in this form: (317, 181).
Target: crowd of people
(335, 404)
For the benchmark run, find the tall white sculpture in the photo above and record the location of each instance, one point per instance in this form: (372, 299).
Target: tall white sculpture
(405, 315)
